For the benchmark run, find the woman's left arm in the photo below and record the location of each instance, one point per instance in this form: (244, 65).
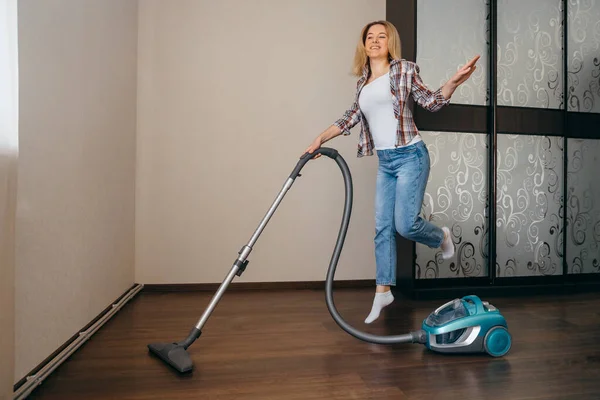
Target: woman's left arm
(433, 101)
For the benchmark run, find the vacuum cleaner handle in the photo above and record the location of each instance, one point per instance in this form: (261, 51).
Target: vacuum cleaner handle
(306, 157)
(327, 151)
(477, 302)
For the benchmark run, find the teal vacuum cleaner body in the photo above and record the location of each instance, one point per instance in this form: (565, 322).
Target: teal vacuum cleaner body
(467, 325)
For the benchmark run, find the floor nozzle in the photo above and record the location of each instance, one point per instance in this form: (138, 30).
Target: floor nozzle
(174, 354)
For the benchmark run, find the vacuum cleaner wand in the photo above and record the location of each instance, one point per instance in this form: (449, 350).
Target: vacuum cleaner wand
(175, 353)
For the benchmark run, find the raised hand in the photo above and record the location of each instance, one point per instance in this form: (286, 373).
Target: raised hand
(465, 72)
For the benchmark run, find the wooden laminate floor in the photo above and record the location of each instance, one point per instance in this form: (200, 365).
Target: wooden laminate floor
(284, 345)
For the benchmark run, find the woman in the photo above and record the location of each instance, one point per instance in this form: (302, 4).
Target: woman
(386, 81)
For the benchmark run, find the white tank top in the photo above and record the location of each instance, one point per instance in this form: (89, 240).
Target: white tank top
(376, 103)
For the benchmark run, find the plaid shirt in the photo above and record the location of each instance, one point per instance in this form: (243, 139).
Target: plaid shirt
(404, 81)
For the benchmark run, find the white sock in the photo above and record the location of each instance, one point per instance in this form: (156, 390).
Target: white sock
(447, 245)
(381, 300)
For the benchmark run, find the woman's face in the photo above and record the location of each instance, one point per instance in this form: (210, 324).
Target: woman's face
(376, 43)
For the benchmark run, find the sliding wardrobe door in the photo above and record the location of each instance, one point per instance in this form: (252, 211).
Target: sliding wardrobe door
(583, 144)
(529, 53)
(583, 211)
(449, 34)
(529, 172)
(583, 56)
(515, 156)
(529, 205)
(456, 197)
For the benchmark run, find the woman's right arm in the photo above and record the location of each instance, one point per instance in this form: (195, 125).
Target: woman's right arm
(328, 134)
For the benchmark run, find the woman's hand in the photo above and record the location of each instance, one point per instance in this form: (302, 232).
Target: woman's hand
(460, 77)
(465, 72)
(316, 144)
(324, 137)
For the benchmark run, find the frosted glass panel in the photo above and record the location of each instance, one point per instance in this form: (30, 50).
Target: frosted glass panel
(583, 49)
(456, 197)
(450, 33)
(529, 205)
(583, 211)
(530, 60)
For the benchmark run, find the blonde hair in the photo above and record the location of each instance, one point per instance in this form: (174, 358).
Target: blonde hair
(361, 59)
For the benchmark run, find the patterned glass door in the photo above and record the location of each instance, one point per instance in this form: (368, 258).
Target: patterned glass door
(528, 145)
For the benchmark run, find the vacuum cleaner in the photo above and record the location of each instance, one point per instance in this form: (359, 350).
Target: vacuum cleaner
(462, 325)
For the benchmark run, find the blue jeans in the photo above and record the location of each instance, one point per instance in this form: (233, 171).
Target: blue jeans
(401, 182)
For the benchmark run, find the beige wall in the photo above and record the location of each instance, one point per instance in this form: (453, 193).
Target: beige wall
(230, 94)
(75, 218)
(8, 182)
(9, 150)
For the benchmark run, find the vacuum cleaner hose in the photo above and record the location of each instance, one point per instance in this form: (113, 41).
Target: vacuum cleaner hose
(412, 337)
(175, 353)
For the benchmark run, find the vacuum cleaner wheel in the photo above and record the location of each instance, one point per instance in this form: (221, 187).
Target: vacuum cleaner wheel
(497, 341)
